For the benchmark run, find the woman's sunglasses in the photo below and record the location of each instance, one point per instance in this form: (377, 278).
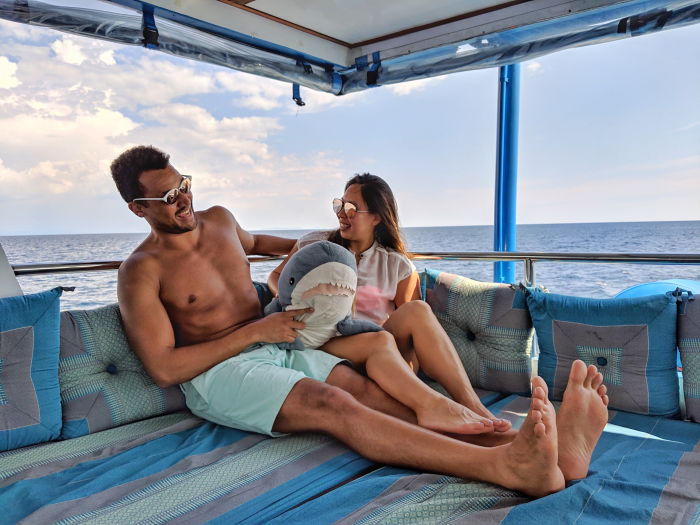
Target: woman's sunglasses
(171, 196)
(348, 207)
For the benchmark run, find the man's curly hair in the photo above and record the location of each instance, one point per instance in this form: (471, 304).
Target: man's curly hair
(127, 167)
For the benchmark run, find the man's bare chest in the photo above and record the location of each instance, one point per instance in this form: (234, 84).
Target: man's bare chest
(203, 282)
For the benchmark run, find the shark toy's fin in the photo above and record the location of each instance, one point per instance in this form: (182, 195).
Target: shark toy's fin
(350, 326)
(294, 345)
(273, 306)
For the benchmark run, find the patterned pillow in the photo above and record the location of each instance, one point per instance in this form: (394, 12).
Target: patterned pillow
(103, 384)
(632, 341)
(30, 403)
(689, 345)
(489, 325)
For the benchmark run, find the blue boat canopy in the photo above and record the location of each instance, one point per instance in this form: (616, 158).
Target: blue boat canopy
(343, 47)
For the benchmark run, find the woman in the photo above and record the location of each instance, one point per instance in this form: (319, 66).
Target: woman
(388, 291)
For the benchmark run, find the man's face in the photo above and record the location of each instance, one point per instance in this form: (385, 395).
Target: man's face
(178, 217)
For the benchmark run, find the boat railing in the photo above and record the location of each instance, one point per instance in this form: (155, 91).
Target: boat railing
(527, 258)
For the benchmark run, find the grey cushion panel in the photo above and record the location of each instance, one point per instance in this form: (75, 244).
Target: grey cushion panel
(689, 320)
(623, 344)
(19, 406)
(689, 346)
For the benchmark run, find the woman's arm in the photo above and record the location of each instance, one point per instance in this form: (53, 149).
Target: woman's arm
(407, 290)
(274, 277)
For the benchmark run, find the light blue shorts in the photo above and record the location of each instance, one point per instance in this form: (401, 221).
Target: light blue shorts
(247, 391)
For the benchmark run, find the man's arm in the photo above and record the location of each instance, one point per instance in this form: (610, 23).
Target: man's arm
(263, 244)
(152, 338)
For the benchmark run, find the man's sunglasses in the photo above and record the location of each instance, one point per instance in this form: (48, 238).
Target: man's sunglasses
(171, 196)
(348, 207)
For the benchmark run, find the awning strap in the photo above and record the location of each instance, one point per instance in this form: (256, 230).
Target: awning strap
(296, 95)
(150, 31)
(374, 69)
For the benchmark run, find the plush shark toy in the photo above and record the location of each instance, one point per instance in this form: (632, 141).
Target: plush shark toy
(322, 275)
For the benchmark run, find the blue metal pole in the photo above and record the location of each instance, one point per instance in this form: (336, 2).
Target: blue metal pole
(506, 170)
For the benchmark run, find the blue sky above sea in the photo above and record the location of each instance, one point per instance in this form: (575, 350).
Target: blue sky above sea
(608, 133)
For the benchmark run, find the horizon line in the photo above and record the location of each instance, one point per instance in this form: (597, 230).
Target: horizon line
(402, 227)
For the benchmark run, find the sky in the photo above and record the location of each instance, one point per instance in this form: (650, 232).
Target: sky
(607, 133)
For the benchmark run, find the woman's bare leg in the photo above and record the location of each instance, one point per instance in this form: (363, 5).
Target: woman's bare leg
(424, 343)
(385, 365)
(369, 394)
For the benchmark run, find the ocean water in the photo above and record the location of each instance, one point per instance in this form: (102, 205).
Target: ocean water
(583, 279)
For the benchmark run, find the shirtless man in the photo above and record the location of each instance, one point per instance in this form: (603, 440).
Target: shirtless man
(193, 317)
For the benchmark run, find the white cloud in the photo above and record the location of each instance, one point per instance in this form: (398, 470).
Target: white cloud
(8, 70)
(60, 154)
(109, 74)
(18, 31)
(265, 94)
(107, 57)
(258, 93)
(688, 126)
(45, 179)
(220, 142)
(68, 51)
(317, 101)
(70, 121)
(533, 67)
(406, 88)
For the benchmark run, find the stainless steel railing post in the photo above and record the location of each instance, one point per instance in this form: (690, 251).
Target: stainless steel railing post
(529, 271)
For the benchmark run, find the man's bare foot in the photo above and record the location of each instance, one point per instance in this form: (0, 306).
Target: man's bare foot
(549, 415)
(444, 415)
(581, 419)
(529, 463)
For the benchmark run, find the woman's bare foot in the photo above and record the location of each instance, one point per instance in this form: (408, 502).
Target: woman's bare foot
(581, 419)
(473, 403)
(529, 463)
(444, 415)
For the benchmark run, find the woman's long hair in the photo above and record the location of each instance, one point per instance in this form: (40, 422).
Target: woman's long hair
(380, 201)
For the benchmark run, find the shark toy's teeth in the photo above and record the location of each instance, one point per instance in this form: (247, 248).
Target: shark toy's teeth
(342, 285)
(328, 289)
(336, 278)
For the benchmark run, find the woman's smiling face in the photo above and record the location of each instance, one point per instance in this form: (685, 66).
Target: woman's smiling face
(361, 226)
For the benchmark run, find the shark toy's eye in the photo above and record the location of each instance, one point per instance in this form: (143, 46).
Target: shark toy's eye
(291, 281)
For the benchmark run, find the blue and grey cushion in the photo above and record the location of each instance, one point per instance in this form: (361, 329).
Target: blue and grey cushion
(489, 325)
(30, 403)
(103, 384)
(689, 345)
(632, 342)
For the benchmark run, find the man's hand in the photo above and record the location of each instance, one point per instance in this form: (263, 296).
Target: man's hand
(280, 327)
